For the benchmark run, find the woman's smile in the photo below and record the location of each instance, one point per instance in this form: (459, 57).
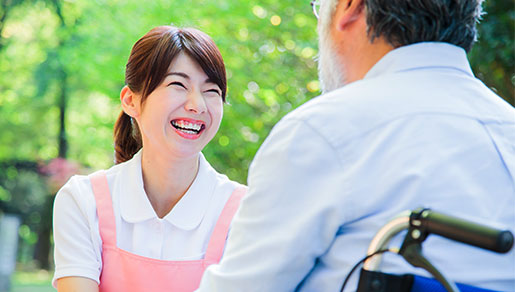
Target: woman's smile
(188, 128)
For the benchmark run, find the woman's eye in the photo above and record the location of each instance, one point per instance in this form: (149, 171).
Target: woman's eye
(176, 83)
(214, 91)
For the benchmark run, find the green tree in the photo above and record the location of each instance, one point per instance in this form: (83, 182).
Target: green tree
(62, 67)
(493, 56)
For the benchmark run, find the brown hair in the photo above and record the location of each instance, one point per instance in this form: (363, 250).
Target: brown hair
(147, 66)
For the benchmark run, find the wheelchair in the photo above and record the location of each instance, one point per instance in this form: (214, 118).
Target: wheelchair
(420, 223)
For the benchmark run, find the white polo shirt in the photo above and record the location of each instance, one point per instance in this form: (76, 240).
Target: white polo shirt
(183, 234)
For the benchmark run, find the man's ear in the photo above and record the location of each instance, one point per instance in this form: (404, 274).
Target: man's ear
(130, 102)
(348, 12)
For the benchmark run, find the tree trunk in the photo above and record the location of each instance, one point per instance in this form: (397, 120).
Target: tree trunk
(43, 246)
(42, 251)
(63, 142)
(3, 16)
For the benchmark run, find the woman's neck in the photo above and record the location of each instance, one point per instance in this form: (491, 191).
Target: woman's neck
(166, 179)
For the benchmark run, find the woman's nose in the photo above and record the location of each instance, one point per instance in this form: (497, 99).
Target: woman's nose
(195, 103)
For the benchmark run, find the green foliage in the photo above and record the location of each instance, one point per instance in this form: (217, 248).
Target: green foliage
(79, 48)
(24, 192)
(493, 56)
(268, 46)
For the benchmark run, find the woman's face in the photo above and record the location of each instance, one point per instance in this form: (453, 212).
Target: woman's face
(184, 112)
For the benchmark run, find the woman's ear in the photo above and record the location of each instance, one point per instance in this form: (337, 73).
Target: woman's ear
(130, 102)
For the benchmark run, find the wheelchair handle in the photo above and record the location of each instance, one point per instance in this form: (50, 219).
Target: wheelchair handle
(464, 231)
(428, 222)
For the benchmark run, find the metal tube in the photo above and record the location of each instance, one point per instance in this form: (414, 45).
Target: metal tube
(383, 237)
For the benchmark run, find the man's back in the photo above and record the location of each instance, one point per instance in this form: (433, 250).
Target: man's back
(421, 133)
(418, 130)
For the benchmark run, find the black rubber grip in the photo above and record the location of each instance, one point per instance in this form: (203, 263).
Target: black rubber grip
(464, 231)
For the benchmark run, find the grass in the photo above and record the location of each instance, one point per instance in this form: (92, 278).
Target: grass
(32, 281)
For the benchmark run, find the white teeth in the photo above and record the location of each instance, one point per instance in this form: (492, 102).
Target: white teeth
(189, 132)
(184, 125)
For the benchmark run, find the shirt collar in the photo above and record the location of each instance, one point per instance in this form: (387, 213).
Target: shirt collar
(191, 208)
(420, 55)
(186, 214)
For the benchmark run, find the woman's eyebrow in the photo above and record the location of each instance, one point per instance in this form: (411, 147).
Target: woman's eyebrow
(186, 76)
(183, 75)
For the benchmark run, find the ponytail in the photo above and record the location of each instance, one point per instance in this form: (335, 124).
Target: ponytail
(127, 139)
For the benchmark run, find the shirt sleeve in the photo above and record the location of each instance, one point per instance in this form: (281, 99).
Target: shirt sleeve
(287, 219)
(75, 253)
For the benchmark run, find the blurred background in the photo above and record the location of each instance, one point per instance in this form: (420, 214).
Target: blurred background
(62, 67)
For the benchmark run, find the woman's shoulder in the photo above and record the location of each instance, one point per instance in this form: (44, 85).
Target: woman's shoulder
(78, 189)
(75, 195)
(225, 187)
(82, 181)
(77, 184)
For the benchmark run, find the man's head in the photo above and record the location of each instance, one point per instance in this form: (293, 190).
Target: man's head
(393, 22)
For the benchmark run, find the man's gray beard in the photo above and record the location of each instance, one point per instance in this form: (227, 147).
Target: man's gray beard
(330, 71)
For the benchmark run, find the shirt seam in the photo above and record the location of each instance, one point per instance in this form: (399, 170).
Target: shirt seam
(319, 134)
(345, 210)
(501, 158)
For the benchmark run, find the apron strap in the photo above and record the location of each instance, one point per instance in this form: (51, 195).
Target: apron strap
(106, 221)
(215, 247)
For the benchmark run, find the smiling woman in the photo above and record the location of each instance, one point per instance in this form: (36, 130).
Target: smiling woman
(158, 218)
(150, 63)
(182, 114)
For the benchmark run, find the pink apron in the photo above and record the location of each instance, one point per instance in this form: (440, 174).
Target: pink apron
(125, 271)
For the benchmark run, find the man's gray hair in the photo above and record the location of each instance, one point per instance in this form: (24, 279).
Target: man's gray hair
(404, 22)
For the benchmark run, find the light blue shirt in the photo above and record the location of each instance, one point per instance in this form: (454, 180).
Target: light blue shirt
(418, 130)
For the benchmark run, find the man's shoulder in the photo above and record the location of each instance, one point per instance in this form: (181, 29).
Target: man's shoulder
(371, 103)
(346, 111)
(354, 100)
(353, 95)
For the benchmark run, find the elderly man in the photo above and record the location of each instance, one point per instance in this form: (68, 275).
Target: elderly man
(402, 123)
